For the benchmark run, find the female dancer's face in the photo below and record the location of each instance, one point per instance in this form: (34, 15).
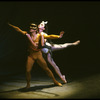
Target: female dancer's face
(41, 26)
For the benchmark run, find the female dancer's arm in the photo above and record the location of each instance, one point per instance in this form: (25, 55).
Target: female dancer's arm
(30, 39)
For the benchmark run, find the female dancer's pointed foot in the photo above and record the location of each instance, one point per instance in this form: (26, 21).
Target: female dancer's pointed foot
(57, 83)
(76, 43)
(64, 79)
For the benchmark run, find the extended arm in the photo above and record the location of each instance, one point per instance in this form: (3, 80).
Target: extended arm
(54, 36)
(17, 29)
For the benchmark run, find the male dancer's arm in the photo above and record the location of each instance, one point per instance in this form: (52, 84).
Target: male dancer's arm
(45, 36)
(53, 36)
(24, 33)
(42, 39)
(17, 29)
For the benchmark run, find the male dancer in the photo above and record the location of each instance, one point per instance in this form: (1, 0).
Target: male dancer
(35, 53)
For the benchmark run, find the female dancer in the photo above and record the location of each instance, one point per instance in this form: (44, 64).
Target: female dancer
(47, 48)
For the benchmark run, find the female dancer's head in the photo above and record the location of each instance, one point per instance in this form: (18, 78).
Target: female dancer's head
(41, 26)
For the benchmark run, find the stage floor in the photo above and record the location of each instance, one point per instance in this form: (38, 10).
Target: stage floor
(43, 88)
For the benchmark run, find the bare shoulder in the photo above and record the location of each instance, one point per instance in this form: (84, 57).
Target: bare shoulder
(45, 33)
(38, 34)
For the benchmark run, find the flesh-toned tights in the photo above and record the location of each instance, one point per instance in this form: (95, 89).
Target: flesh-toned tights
(37, 56)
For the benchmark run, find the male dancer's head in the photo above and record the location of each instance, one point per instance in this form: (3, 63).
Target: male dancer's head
(33, 28)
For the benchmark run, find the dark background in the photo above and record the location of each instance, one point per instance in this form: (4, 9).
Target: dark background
(79, 19)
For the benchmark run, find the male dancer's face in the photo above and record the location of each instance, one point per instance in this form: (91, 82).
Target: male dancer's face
(33, 28)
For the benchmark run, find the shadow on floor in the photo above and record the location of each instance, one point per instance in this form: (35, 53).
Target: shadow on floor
(31, 88)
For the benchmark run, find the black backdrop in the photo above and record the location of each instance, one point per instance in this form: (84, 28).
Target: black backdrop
(79, 19)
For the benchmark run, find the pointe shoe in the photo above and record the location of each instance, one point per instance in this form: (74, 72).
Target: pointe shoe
(64, 79)
(77, 42)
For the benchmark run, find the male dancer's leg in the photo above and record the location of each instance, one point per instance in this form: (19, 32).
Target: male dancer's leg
(29, 65)
(56, 68)
(43, 64)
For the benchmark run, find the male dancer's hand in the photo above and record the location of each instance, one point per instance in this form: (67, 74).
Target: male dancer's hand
(9, 24)
(61, 34)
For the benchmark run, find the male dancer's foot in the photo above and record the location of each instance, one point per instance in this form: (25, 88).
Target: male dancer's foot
(57, 83)
(28, 86)
(76, 43)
